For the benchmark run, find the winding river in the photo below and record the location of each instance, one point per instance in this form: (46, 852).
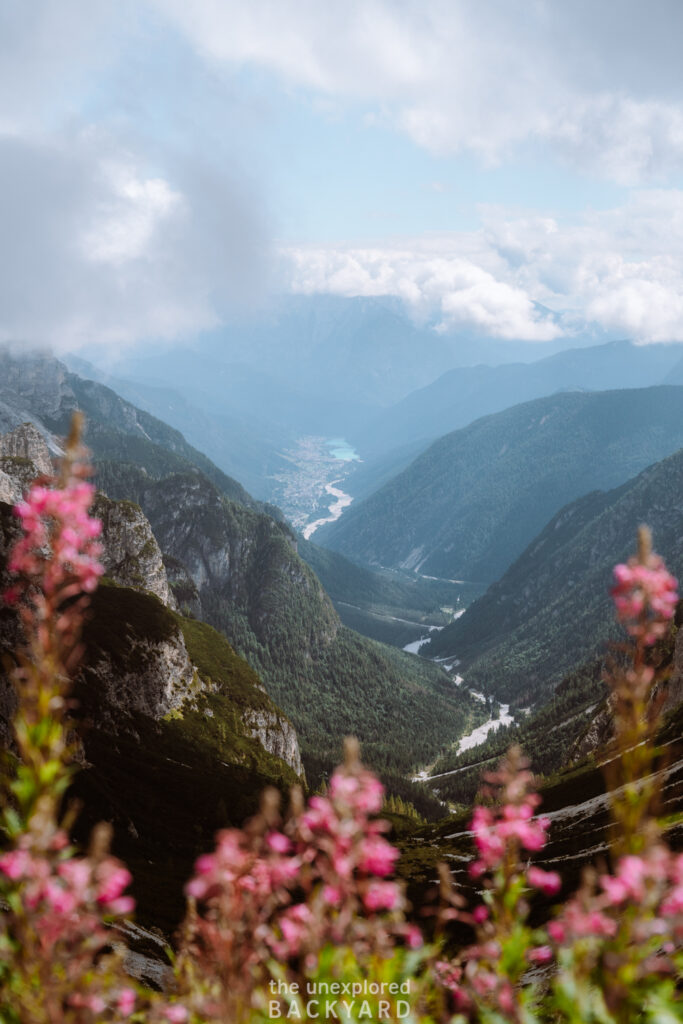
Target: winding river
(342, 501)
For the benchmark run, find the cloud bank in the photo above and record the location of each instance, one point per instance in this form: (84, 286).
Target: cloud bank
(621, 269)
(115, 226)
(128, 201)
(597, 83)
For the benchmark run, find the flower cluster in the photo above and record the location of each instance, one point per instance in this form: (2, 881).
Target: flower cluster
(285, 890)
(618, 941)
(54, 932)
(644, 594)
(487, 974)
(493, 830)
(57, 556)
(56, 562)
(59, 548)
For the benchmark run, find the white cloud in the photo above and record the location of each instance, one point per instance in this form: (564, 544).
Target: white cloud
(599, 83)
(127, 220)
(621, 269)
(453, 290)
(117, 226)
(95, 251)
(124, 215)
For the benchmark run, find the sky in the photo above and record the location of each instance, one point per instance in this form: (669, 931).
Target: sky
(512, 166)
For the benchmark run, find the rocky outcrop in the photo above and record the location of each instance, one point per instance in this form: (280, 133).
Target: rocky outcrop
(183, 587)
(132, 556)
(8, 489)
(26, 442)
(599, 732)
(24, 455)
(239, 556)
(34, 387)
(158, 677)
(276, 735)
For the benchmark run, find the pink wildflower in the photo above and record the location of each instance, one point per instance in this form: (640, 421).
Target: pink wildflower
(176, 1014)
(381, 896)
(15, 864)
(549, 882)
(645, 596)
(126, 1001)
(112, 879)
(378, 856)
(540, 955)
(278, 842)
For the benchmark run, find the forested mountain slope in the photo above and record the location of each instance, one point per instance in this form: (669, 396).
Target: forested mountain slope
(466, 393)
(392, 606)
(468, 506)
(241, 570)
(551, 610)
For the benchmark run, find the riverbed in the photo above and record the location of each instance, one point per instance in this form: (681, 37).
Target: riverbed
(341, 501)
(480, 734)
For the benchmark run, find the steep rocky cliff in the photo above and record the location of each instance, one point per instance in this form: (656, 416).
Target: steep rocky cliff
(132, 556)
(27, 442)
(137, 659)
(24, 455)
(142, 658)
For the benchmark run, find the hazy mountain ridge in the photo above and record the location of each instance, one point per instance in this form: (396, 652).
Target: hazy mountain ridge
(307, 365)
(470, 504)
(40, 389)
(466, 393)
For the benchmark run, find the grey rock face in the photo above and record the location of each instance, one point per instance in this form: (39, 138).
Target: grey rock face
(160, 678)
(33, 387)
(276, 735)
(235, 553)
(183, 588)
(671, 692)
(26, 442)
(24, 455)
(132, 556)
(598, 734)
(9, 490)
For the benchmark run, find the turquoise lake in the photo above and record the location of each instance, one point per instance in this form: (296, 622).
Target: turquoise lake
(341, 449)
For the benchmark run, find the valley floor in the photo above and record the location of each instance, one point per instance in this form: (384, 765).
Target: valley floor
(307, 484)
